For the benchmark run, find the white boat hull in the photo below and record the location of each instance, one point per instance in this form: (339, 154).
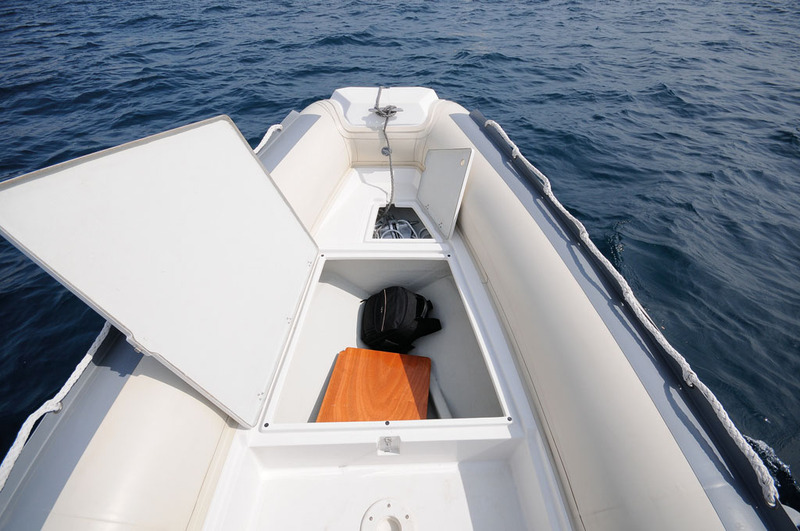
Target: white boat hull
(561, 412)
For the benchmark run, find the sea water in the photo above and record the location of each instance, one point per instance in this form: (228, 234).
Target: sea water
(671, 129)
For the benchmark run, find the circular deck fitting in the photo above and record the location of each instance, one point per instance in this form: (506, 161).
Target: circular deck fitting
(387, 515)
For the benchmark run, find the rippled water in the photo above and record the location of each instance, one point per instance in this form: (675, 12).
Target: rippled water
(672, 130)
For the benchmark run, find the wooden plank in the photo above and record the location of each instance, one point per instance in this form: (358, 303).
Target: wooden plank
(373, 385)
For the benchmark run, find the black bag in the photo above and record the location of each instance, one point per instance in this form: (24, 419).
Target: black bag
(394, 318)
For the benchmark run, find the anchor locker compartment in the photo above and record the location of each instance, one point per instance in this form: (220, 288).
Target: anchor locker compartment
(439, 194)
(183, 242)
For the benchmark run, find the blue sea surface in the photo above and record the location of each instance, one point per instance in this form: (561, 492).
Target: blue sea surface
(671, 129)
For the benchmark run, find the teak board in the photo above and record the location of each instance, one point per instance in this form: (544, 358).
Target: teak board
(373, 385)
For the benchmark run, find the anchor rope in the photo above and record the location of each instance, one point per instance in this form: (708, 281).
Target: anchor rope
(386, 112)
(767, 483)
(54, 404)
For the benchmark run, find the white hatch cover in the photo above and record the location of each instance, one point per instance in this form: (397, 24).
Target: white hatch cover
(181, 241)
(441, 187)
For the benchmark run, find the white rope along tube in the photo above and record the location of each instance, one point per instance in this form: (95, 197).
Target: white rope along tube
(54, 404)
(765, 480)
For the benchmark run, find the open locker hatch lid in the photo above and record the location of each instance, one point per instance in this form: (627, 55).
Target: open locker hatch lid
(182, 242)
(442, 185)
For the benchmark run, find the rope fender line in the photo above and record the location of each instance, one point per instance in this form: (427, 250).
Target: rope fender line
(690, 378)
(52, 405)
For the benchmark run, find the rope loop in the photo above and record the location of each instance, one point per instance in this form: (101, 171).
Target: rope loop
(268, 135)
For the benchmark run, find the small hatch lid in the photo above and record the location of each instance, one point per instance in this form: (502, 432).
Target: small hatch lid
(183, 242)
(442, 185)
